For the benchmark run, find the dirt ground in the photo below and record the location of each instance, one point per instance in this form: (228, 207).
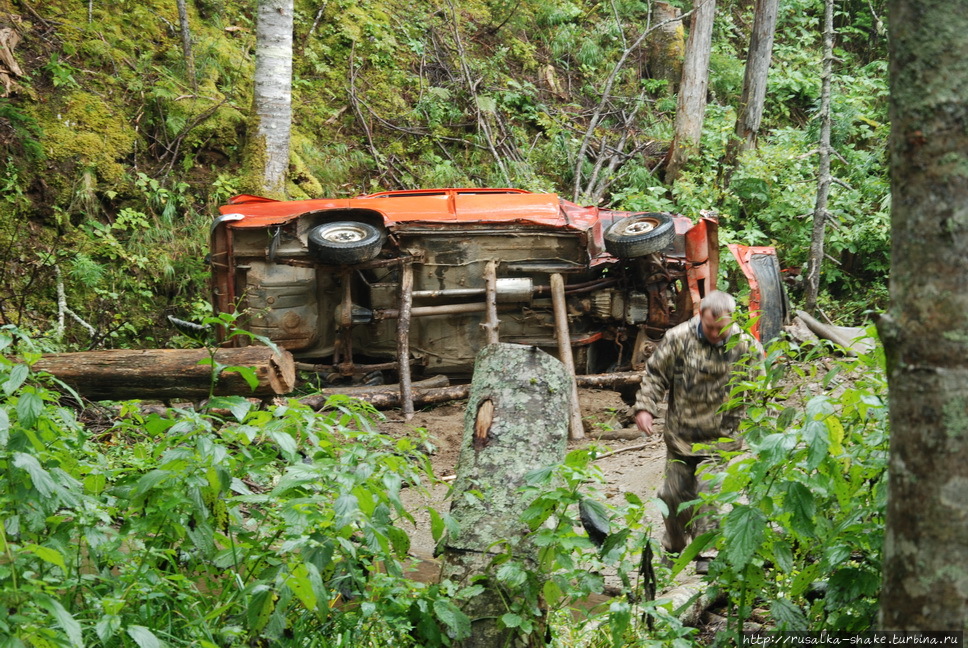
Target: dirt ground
(636, 469)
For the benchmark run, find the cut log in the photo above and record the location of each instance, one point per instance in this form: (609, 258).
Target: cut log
(163, 374)
(612, 381)
(517, 421)
(420, 397)
(378, 393)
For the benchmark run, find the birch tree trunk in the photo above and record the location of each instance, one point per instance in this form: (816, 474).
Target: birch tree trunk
(516, 421)
(925, 332)
(186, 36)
(692, 93)
(757, 70)
(824, 179)
(268, 148)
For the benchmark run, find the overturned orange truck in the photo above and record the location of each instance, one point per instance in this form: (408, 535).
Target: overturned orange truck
(354, 285)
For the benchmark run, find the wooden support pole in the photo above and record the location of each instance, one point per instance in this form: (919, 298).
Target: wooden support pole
(490, 324)
(576, 427)
(403, 338)
(346, 321)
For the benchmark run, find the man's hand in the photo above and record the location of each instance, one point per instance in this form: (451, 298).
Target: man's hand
(644, 419)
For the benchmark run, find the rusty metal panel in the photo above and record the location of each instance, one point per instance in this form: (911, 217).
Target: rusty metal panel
(282, 304)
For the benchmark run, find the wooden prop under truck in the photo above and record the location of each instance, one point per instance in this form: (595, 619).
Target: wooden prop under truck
(423, 279)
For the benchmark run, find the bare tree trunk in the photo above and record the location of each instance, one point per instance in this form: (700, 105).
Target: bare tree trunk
(517, 421)
(757, 70)
(268, 149)
(186, 35)
(824, 179)
(692, 92)
(666, 47)
(925, 332)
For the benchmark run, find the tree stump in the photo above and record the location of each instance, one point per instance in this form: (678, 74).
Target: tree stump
(516, 421)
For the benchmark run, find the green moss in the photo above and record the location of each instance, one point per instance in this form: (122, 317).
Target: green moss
(302, 182)
(85, 132)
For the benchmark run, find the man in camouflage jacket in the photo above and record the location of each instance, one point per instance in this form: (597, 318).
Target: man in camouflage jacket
(691, 369)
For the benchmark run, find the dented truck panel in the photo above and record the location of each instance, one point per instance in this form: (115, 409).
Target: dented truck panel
(322, 278)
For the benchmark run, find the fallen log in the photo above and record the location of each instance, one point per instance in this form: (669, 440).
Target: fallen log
(430, 396)
(388, 396)
(164, 374)
(425, 392)
(609, 380)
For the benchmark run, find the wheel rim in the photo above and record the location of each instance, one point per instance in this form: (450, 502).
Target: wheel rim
(643, 226)
(344, 234)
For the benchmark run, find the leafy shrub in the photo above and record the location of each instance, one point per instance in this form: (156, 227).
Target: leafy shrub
(804, 510)
(229, 526)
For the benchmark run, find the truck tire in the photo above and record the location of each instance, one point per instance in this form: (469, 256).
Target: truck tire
(640, 235)
(346, 242)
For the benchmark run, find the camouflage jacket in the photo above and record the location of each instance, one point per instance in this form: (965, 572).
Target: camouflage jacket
(693, 375)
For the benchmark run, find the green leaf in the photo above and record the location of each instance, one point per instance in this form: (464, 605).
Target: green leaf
(487, 104)
(800, 503)
(239, 406)
(775, 449)
(106, 626)
(836, 431)
(29, 408)
(4, 426)
(783, 556)
(614, 545)
(95, 483)
(552, 593)
(18, 375)
(345, 508)
(144, 637)
(300, 583)
(619, 618)
(41, 479)
(437, 526)
(399, 540)
(818, 444)
(47, 554)
(149, 481)
(458, 623)
(788, 616)
(743, 531)
(512, 574)
(511, 620)
(286, 443)
(248, 375)
(261, 604)
(65, 620)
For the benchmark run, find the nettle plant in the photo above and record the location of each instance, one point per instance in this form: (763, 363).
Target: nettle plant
(231, 526)
(563, 571)
(803, 511)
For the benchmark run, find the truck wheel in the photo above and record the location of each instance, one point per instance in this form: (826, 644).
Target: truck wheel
(345, 242)
(640, 235)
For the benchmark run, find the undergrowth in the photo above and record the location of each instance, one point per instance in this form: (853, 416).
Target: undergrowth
(235, 525)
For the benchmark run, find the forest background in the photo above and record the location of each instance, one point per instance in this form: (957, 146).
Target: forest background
(237, 526)
(118, 145)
